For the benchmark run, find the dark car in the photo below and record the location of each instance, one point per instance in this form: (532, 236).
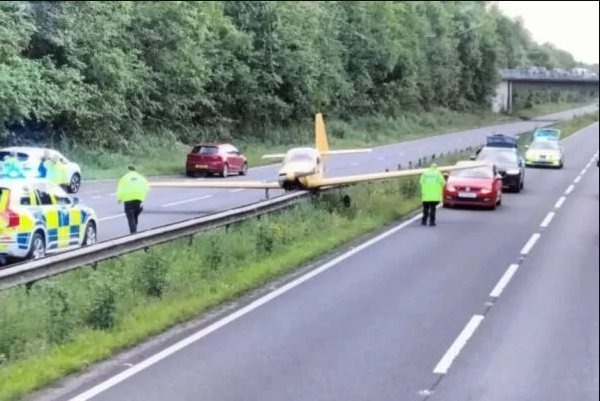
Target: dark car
(510, 164)
(215, 158)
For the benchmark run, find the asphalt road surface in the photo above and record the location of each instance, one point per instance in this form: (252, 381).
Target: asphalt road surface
(167, 206)
(386, 320)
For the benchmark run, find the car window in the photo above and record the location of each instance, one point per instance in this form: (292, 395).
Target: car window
(43, 195)
(479, 172)
(22, 157)
(23, 196)
(59, 194)
(206, 150)
(498, 156)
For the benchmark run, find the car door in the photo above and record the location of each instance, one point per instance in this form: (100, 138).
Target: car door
(50, 216)
(235, 155)
(231, 158)
(70, 224)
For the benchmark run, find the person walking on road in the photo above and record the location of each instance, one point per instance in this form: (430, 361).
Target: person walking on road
(432, 190)
(132, 192)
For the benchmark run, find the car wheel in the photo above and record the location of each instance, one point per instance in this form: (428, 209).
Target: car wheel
(75, 183)
(244, 170)
(38, 247)
(225, 172)
(91, 236)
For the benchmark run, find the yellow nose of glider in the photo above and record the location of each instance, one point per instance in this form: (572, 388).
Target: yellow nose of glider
(289, 175)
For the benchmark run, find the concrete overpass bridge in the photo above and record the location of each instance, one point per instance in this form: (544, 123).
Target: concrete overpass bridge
(514, 80)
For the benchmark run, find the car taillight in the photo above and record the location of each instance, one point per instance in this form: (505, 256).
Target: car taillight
(13, 219)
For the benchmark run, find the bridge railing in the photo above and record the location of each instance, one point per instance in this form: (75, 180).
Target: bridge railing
(547, 75)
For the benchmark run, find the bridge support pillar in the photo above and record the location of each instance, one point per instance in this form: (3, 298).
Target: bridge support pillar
(503, 101)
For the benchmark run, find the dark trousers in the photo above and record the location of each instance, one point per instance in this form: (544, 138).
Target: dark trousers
(429, 209)
(132, 212)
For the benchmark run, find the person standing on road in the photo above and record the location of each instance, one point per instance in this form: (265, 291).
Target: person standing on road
(432, 190)
(132, 191)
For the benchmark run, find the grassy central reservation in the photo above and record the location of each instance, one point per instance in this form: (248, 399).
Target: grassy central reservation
(68, 322)
(166, 156)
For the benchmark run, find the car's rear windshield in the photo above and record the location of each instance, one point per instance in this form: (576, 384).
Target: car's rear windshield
(478, 172)
(205, 150)
(545, 145)
(22, 157)
(498, 155)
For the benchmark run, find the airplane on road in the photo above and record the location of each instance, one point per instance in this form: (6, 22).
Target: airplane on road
(302, 169)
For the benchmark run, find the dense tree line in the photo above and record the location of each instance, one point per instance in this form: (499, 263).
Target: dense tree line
(100, 72)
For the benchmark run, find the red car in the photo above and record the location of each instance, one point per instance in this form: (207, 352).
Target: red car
(479, 186)
(215, 158)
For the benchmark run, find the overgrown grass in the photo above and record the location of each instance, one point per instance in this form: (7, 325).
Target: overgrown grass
(164, 155)
(70, 321)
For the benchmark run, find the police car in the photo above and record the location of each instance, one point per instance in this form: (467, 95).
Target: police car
(37, 217)
(503, 151)
(29, 159)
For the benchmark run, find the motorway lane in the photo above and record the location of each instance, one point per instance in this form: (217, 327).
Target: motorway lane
(540, 340)
(374, 326)
(166, 206)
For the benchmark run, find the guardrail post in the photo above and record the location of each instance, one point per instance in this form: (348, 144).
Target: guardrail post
(399, 166)
(410, 166)
(387, 170)
(191, 240)
(267, 193)
(433, 156)
(28, 286)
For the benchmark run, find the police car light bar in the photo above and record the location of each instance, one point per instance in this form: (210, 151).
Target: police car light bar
(502, 141)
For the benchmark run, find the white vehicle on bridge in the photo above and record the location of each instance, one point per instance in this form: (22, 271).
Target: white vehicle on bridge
(30, 159)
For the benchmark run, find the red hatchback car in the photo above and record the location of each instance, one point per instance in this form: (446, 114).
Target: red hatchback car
(479, 186)
(215, 158)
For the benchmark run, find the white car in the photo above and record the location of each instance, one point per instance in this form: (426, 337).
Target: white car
(30, 159)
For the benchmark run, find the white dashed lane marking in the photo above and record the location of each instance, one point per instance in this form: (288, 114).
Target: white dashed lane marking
(116, 216)
(181, 202)
(560, 202)
(569, 190)
(510, 272)
(546, 222)
(530, 244)
(446, 361)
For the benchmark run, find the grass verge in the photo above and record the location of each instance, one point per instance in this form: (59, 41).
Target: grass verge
(164, 155)
(68, 322)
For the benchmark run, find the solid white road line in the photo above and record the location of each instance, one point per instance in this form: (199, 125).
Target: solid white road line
(446, 361)
(560, 202)
(116, 216)
(113, 381)
(512, 269)
(186, 201)
(546, 222)
(238, 190)
(530, 244)
(569, 190)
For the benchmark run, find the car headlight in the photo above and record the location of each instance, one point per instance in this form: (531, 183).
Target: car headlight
(451, 188)
(486, 190)
(513, 172)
